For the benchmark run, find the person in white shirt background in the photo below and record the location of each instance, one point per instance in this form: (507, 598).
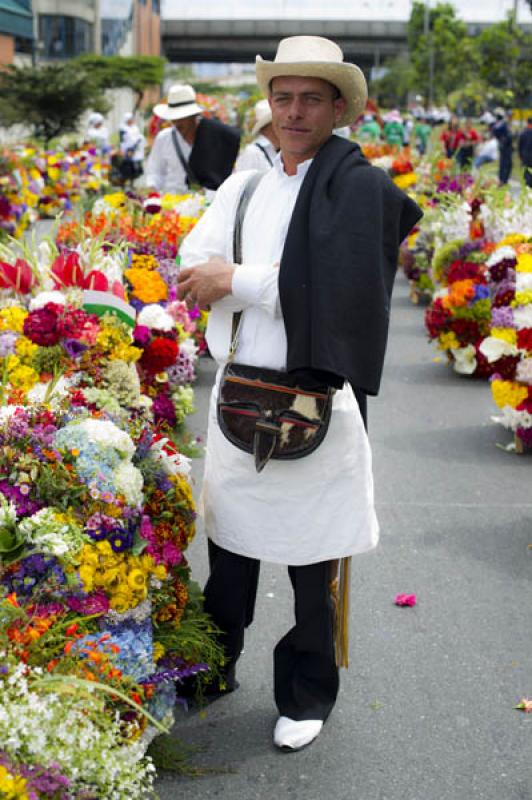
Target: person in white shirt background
(132, 143)
(193, 150)
(97, 133)
(260, 153)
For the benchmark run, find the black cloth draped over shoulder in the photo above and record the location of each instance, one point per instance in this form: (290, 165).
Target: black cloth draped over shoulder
(338, 267)
(214, 152)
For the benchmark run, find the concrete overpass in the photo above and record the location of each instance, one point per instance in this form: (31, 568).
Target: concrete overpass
(364, 42)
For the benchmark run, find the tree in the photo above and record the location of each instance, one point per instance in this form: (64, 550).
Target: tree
(50, 99)
(116, 72)
(453, 54)
(393, 87)
(504, 59)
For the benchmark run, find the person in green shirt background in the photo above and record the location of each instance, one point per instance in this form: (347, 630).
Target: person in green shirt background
(393, 130)
(422, 131)
(370, 130)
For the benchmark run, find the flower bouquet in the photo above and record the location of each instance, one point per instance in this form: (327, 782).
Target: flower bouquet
(509, 347)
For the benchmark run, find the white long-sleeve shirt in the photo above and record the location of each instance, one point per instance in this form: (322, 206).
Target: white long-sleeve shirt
(316, 508)
(252, 157)
(164, 170)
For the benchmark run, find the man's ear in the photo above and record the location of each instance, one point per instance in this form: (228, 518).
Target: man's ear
(340, 106)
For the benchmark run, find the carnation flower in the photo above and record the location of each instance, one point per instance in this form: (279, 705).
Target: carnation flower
(41, 326)
(159, 354)
(154, 316)
(163, 410)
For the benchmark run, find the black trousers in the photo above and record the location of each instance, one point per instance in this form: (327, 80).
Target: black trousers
(306, 677)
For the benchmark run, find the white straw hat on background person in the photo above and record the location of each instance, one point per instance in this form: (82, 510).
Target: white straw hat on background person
(181, 103)
(263, 116)
(316, 57)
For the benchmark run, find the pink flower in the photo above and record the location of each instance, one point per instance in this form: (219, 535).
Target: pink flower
(405, 600)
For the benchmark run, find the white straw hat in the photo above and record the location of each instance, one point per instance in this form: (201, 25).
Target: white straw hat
(181, 103)
(263, 116)
(316, 57)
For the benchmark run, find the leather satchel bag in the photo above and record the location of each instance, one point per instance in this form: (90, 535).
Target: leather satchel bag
(267, 412)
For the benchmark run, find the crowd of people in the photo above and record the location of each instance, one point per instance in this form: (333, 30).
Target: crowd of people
(192, 149)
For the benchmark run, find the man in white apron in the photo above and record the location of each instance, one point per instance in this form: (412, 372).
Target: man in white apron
(310, 512)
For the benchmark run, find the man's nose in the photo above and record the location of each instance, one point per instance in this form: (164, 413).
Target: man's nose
(295, 109)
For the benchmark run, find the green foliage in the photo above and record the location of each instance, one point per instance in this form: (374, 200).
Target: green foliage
(132, 72)
(453, 53)
(393, 88)
(504, 58)
(50, 99)
(473, 97)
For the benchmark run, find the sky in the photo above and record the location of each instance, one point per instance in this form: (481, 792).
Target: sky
(468, 10)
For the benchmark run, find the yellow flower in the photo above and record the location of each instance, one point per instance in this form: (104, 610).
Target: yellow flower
(160, 572)
(512, 238)
(104, 548)
(115, 200)
(23, 377)
(136, 580)
(89, 555)
(522, 298)
(448, 341)
(25, 349)
(120, 602)
(406, 180)
(12, 787)
(158, 651)
(411, 240)
(12, 319)
(508, 393)
(125, 352)
(524, 263)
(506, 334)
(86, 574)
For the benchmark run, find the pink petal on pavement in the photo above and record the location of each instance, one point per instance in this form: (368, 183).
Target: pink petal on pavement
(405, 600)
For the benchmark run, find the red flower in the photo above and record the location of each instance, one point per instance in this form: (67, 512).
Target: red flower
(524, 339)
(159, 354)
(41, 325)
(503, 298)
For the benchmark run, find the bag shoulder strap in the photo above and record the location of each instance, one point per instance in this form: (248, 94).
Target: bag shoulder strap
(241, 208)
(243, 202)
(191, 178)
(265, 153)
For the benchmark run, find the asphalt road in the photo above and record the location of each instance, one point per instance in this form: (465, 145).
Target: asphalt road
(425, 710)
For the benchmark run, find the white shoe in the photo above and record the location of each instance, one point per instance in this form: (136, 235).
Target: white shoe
(293, 735)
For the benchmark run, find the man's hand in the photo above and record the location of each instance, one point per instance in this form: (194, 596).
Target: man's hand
(205, 283)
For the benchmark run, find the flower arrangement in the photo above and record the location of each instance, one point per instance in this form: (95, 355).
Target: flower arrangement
(458, 317)
(98, 614)
(508, 348)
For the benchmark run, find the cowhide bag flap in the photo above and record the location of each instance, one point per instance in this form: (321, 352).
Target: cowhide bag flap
(264, 411)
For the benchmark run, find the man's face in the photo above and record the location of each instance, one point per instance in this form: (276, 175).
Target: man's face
(304, 113)
(186, 126)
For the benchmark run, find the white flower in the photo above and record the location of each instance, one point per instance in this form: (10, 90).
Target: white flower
(465, 361)
(8, 512)
(524, 371)
(188, 347)
(172, 463)
(38, 392)
(523, 316)
(41, 299)
(494, 348)
(129, 482)
(105, 432)
(523, 281)
(154, 316)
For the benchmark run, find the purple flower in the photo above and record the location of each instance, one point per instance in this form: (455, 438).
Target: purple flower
(163, 410)
(95, 603)
(502, 317)
(73, 347)
(7, 343)
(141, 335)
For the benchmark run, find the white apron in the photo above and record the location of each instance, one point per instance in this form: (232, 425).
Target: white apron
(316, 508)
